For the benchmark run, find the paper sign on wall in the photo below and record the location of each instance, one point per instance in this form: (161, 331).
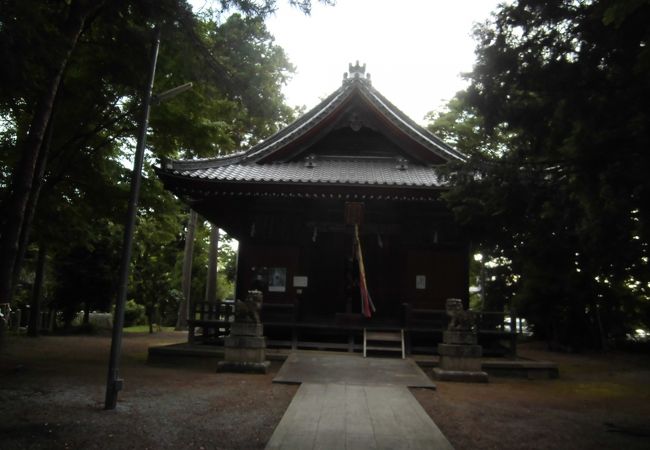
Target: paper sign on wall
(300, 281)
(420, 282)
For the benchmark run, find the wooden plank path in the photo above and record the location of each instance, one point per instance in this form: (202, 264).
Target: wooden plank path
(342, 416)
(321, 368)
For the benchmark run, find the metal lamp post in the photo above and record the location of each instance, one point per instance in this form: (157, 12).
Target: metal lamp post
(114, 383)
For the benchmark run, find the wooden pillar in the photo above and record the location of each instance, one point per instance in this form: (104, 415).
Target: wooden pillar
(186, 282)
(211, 282)
(407, 326)
(350, 341)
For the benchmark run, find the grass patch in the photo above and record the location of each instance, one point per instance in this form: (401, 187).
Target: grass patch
(145, 329)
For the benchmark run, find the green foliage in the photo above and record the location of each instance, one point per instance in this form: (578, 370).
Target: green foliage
(145, 329)
(133, 314)
(555, 123)
(85, 274)
(227, 259)
(236, 99)
(237, 72)
(225, 287)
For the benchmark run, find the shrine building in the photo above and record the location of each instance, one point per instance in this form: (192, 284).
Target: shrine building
(339, 218)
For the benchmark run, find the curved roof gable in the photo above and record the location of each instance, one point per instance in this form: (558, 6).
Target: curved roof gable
(355, 93)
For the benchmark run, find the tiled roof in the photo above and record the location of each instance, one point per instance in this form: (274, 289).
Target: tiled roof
(379, 172)
(272, 162)
(362, 86)
(306, 122)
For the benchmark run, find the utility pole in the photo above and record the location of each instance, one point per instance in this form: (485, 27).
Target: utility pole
(114, 383)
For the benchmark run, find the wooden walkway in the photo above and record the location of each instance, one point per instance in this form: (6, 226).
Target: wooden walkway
(340, 416)
(342, 368)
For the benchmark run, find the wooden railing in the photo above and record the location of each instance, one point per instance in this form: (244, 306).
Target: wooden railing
(489, 325)
(213, 319)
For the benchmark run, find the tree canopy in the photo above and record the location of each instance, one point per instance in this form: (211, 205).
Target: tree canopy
(556, 193)
(72, 76)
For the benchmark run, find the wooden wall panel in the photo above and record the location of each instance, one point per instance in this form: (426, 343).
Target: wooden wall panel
(446, 277)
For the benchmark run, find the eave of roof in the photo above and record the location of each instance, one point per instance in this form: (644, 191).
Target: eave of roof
(378, 172)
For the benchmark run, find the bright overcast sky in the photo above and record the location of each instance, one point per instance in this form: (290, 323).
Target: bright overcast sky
(415, 50)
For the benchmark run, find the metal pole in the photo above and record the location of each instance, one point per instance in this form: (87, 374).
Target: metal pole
(114, 382)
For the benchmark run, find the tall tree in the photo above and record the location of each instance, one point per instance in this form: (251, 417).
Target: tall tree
(556, 125)
(70, 25)
(100, 45)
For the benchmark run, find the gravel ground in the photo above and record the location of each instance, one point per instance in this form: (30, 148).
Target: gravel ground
(600, 401)
(52, 393)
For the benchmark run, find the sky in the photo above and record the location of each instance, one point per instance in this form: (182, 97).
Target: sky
(415, 50)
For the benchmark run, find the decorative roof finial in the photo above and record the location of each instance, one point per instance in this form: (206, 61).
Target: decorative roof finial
(357, 72)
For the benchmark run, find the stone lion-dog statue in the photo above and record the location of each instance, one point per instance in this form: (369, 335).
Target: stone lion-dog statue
(248, 311)
(460, 319)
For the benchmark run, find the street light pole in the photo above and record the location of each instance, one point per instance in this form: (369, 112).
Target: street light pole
(114, 382)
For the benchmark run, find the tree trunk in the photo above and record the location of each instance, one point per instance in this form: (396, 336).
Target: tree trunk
(30, 210)
(186, 282)
(211, 283)
(150, 315)
(37, 294)
(23, 176)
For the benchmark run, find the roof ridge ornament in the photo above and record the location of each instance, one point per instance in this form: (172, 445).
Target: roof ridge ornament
(402, 163)
(310, 161)
(357, 72)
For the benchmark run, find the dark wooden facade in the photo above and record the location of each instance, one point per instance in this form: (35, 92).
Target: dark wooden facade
(309, 238)
(285, 200)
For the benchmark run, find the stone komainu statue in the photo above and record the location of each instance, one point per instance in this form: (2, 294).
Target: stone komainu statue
(461, 320)
(249, 309)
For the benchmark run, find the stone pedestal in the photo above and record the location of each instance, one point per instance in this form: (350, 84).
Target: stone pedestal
(460, 358)
(245, 349)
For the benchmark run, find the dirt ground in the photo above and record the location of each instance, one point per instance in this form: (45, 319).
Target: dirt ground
(52, 394)
(600, 401)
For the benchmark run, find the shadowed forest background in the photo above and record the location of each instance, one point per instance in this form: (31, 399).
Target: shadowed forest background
(555, 121)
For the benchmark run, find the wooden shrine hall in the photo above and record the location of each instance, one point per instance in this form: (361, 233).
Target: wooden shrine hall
(340, 223)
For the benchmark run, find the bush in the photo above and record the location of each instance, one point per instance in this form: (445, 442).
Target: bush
(134, 314)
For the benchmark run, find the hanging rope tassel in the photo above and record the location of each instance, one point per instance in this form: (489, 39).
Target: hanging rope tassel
(367, 306)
